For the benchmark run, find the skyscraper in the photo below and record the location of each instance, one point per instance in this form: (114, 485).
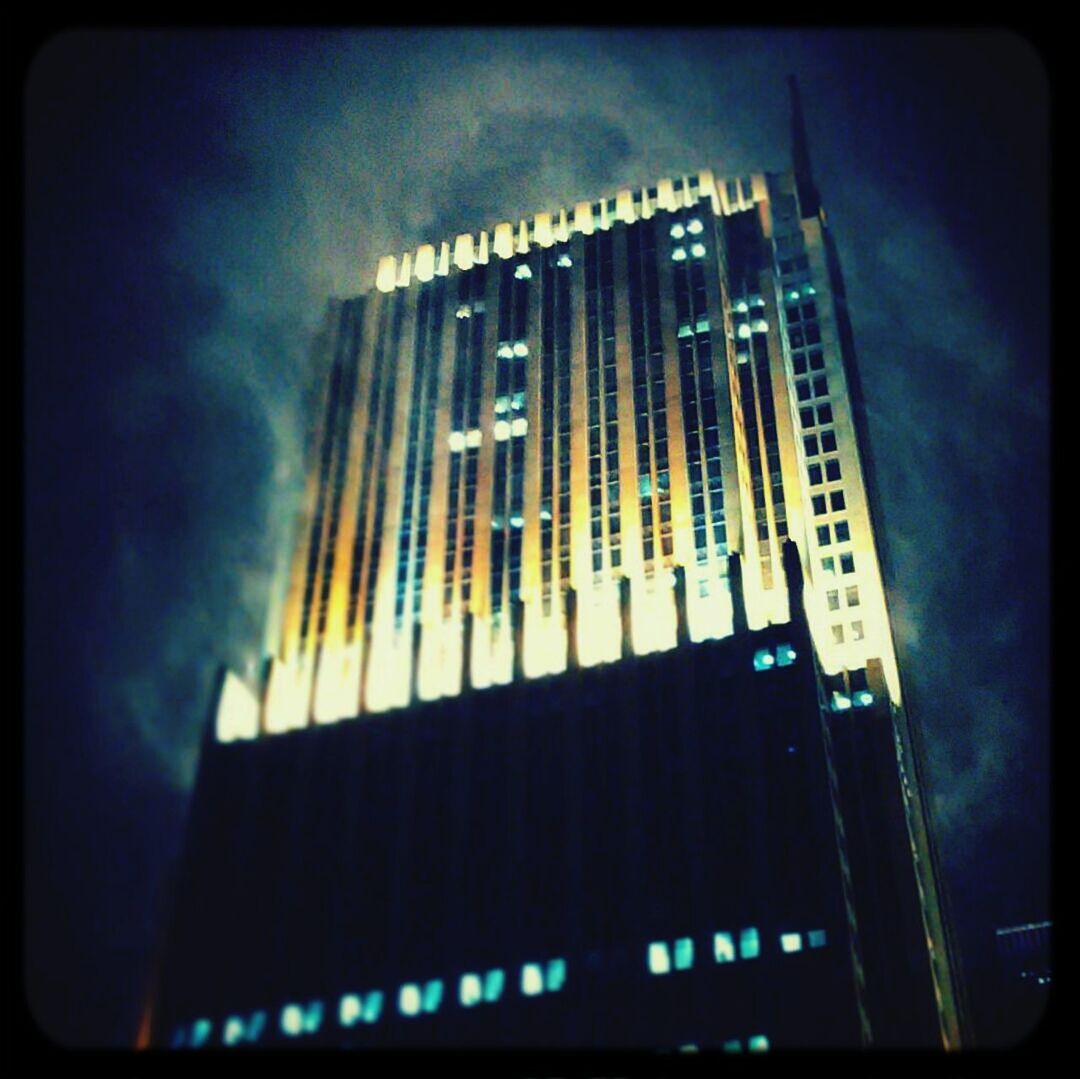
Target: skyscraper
(556, 459)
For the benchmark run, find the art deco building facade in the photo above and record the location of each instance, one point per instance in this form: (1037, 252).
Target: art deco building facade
(628, 428)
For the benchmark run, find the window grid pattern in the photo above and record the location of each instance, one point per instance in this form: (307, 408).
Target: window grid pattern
(555, 420)
(507, 520)
(700, 420)
(348, 351)
(465, 430)
(603, 402)
(373, 470)
(650, 395)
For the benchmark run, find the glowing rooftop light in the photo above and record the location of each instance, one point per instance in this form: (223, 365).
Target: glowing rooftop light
(532, 980)
(521, 349)
(694, 225)
(349, 1010)
(523, 273)
(697, 250)
(677, 231)
(791, 942)
(409, 999)
(658, 958)
(678, 254)
(469, 990)
(456, 441)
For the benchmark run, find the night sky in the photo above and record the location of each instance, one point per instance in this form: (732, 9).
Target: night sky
(193, 199)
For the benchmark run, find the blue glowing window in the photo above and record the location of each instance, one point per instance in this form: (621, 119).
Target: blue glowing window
(493, 985)
(556, 975)
(723, 948)
(764, 660)
(863, 699)
(841, 702)
(816, 938)
(749, 943)
(785, 655)
(733, 1045)
(409, 999)
(757, 1044)
(790, 942)
(684, 953)
(432, 996)
(256, 1024)
(658, 958)
(234, 1030)
(678, 254)
(200, 1032)
(373, 1006)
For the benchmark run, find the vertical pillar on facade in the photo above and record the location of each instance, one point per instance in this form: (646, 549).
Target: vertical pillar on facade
(573, 660)
(625, 617)
(517, 636)
(682, 619)
(738, 597)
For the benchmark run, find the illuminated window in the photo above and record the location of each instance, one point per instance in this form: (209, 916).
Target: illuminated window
(697, 250)
(838, 634)
(723, 948)
(234, 1030)
(816, 938)
(256, 1024)
(564, 261)
(678, 254)
(733, 1045)
(463, 311)
(741, 307)
(759, 325)
(469, 991)
(785, 655)
(743, 331)
(832, 597)
(292, 1020)
(505, 352)
(757, 1044)
(841, 702)
(749, 943)
(521, 350)
(828, 566)
(532, 980)
(684, 953)
(200, 1032)
(409, 999)
(764, 660)
(852, 594)
(555, 976)
(677, 231)
(857, 632)
(694, 226)
(456, 441)
(373, 1006)
(313, 1017)
(432, 995)
(790, 942)
(493, 985)
(349, 1010)
(523, 273)
(864, 698)
(658, 958)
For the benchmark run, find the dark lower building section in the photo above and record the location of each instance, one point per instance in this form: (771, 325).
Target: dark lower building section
(655, 853)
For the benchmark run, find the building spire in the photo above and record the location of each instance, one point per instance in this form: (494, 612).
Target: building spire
(809, 202)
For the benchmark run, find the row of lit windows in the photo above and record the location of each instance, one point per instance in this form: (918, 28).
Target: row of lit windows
(765, 659)
(476, 988)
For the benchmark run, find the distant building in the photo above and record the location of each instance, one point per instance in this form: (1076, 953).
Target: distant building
(555, 766)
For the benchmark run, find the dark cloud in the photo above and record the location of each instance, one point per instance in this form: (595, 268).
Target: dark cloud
(194, 198)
